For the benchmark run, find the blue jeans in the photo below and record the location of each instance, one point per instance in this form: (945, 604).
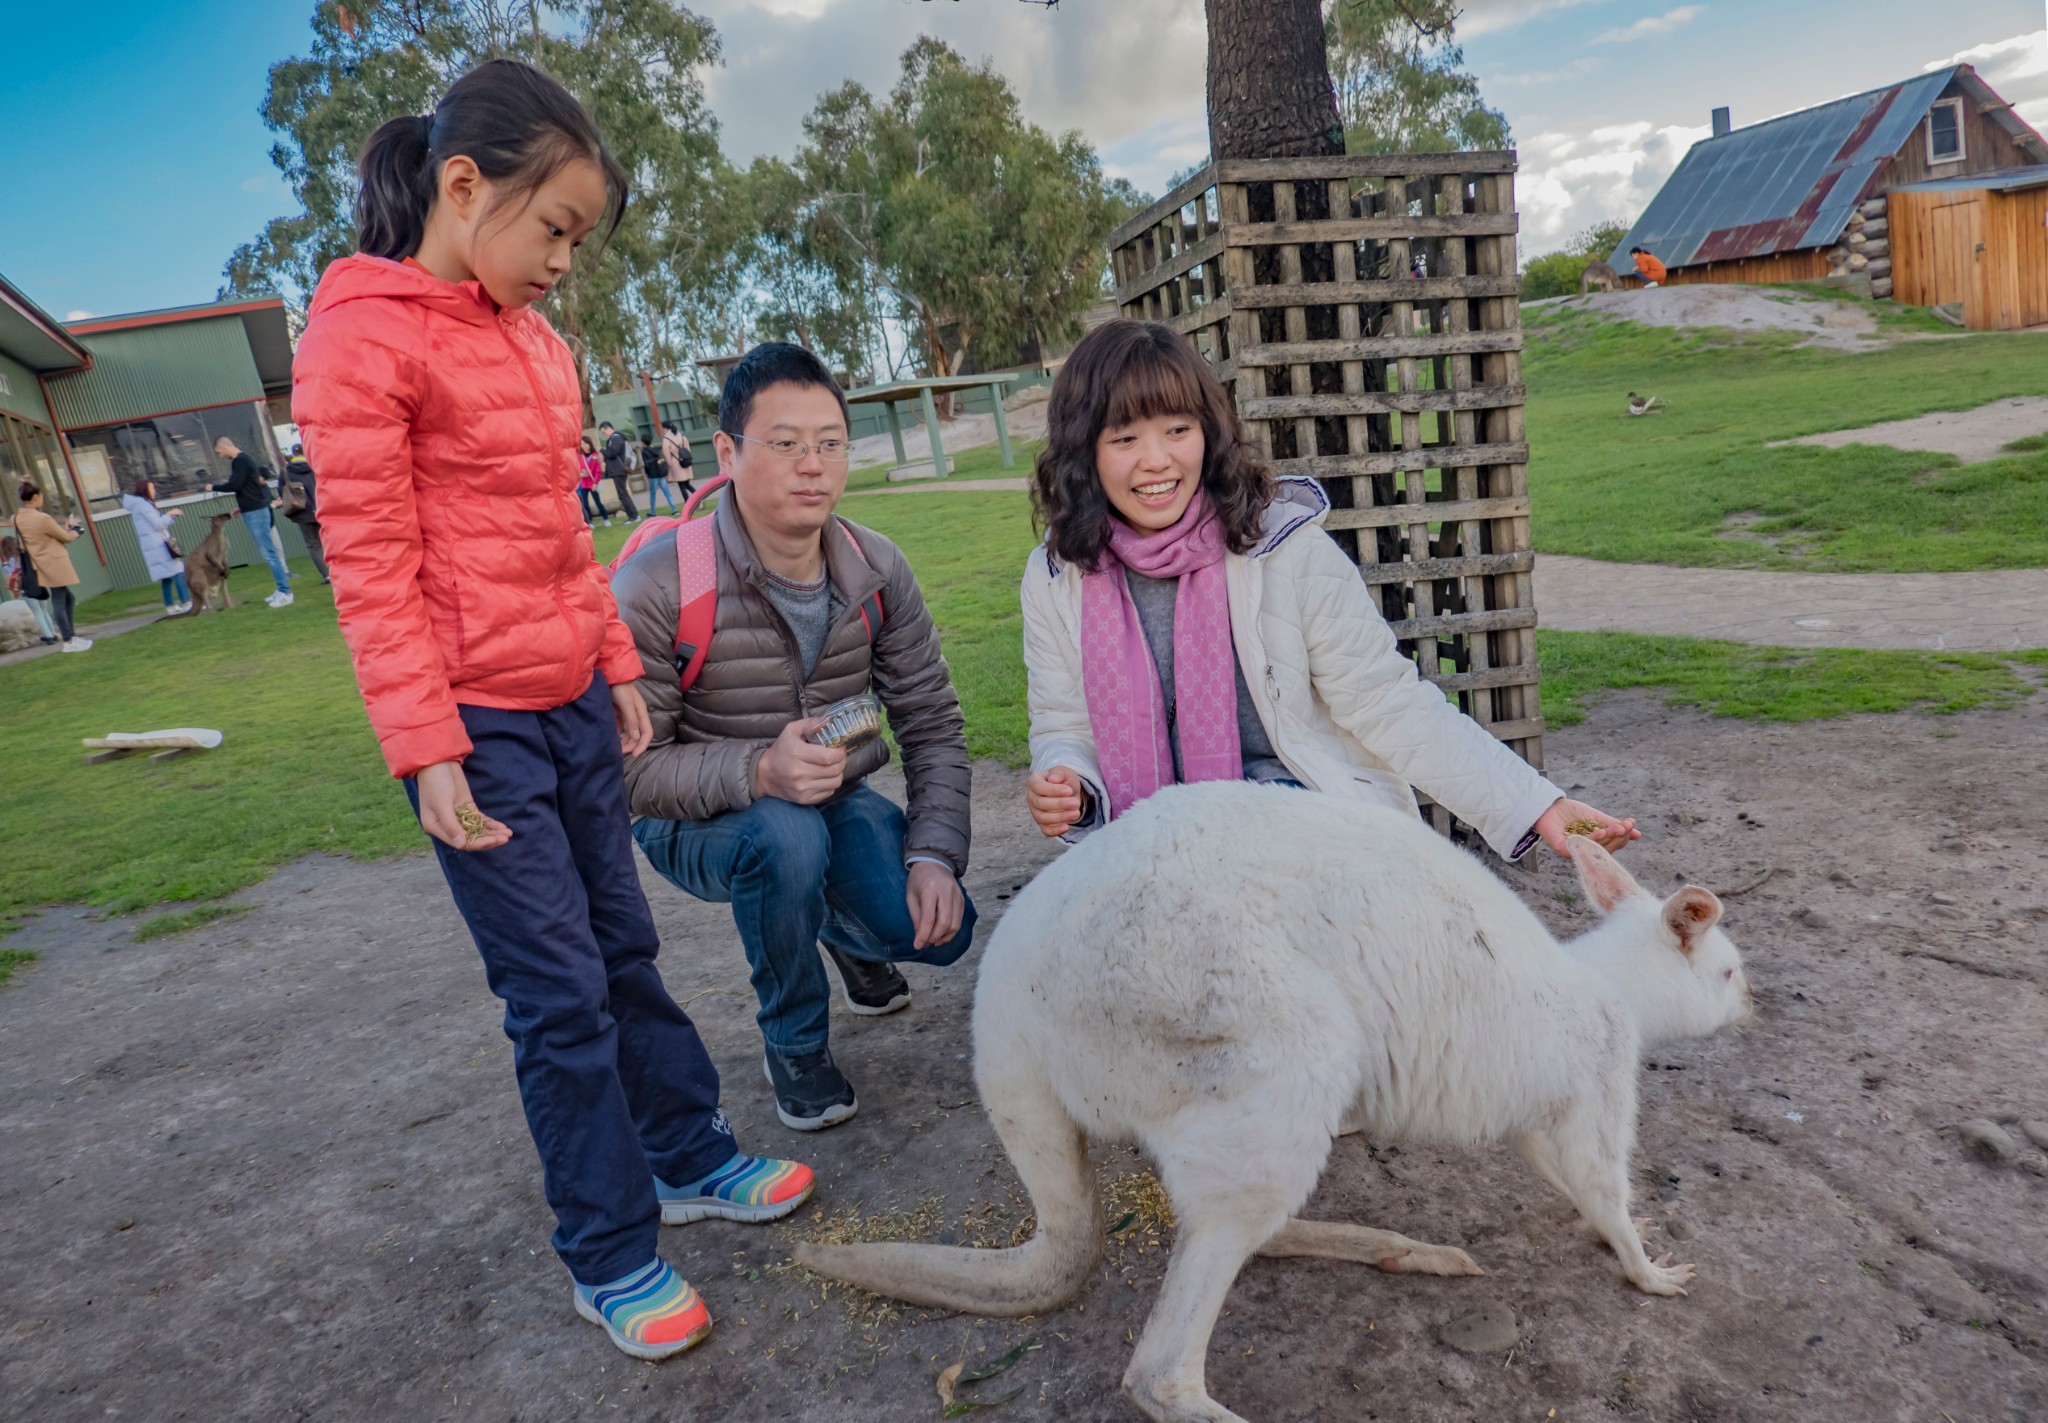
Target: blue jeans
(258, 521)
(657, 488)
(795, 874)
(174, 588)
(617, 1086)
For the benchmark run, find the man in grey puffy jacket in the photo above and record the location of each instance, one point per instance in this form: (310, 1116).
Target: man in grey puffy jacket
(731, 803)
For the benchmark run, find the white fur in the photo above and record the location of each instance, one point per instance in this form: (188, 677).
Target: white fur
(1229, 973)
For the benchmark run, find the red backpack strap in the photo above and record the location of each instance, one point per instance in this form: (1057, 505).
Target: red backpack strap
(871, 612)
(696, 585)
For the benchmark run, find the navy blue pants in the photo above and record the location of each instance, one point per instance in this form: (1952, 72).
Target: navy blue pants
(617, 1086)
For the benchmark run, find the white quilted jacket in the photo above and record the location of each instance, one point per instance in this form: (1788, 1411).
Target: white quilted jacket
(1346, 712)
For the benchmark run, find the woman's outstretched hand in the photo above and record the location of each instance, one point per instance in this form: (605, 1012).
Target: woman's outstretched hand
(635, 730)
(1054, 799)
(449, 813)
(1557, 822)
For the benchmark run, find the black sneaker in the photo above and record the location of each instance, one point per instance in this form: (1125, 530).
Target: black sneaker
(811, 1093)
(871, 989)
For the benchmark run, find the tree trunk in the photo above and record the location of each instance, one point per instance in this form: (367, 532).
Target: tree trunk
(1269, 81)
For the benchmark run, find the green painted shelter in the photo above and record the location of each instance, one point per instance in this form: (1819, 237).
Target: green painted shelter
(89, 407)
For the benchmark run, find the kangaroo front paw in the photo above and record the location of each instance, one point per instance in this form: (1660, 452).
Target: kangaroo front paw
(1661, 1278)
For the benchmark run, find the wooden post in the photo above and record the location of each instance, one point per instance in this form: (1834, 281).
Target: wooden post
(896, 431)
(996, 389)
(931, 430)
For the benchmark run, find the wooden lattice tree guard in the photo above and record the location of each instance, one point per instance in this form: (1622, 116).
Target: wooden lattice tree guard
(1363, 311)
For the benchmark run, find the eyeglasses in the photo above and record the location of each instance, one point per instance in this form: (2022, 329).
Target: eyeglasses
(830, 451)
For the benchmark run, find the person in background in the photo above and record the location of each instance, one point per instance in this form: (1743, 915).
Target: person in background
(1652, 270)
(589, 485)
(44, 555)
(252, 501)
(657, 475)
(302, 506)
(615, 469)
(38, 601)
(160, 552)
(676, 458)
(437, 404)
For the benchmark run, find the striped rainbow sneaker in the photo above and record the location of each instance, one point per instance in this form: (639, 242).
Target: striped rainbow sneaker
(746, 1188)
(650, 1314)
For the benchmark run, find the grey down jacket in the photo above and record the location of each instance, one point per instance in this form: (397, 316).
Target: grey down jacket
(706, 742)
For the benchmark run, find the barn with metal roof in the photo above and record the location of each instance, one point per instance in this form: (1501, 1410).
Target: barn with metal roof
(1802, 197)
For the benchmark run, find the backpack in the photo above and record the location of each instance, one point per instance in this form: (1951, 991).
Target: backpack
(697, 579)
(632, 457)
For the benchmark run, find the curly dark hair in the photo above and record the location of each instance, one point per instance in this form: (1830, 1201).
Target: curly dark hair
(1121, 372)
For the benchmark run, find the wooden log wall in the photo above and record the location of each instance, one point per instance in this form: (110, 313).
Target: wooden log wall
(1936, 258)
(1364, 312)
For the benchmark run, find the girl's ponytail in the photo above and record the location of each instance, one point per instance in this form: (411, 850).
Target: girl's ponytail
(397, 169)
(519, 127)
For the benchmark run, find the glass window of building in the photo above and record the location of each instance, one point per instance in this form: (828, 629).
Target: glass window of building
(174, 451)
(30, 452)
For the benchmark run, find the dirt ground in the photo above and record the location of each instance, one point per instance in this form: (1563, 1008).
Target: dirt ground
(1969, 435)
(1847, 326)
(275, 1168)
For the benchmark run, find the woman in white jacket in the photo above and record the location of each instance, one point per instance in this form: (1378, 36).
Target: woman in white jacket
(1187, 618)
(159, 548)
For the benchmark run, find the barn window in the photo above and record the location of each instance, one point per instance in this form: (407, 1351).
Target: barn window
(1945, 131)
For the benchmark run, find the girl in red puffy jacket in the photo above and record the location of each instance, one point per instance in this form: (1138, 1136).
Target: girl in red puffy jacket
(443, 414)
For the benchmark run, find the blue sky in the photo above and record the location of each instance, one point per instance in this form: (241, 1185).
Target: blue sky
(137, 161)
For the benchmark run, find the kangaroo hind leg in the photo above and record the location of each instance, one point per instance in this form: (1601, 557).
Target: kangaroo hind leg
(1233, 1180)
(1396, 1254)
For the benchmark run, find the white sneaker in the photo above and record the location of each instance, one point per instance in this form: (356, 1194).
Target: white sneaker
(279, 600)
(184, 607)
(77, 644)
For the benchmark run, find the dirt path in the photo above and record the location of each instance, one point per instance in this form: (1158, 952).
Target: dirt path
(1999, 611)
(275, 1169)
(1969, 435)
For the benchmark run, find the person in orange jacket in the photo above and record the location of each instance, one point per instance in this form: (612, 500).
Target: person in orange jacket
(443, 413)
(1651, 270)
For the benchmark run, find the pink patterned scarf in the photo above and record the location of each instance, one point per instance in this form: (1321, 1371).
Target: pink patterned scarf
(1126, 706)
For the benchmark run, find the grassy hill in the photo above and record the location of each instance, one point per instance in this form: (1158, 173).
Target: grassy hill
(1696, 484)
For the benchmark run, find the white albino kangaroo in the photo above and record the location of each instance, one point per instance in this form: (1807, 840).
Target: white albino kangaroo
(1228, 973)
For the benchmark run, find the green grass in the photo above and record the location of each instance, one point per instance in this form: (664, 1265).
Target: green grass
(298, 770)
(1696, 484)
(12, 961)
(1733, 679)
(166, 924)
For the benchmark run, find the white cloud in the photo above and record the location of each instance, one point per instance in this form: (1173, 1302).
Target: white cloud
(1071, 68)
(1577, 69)
(263, 183)
(2017, 68)
(80, 314)
(1569, 181)
(1651, 25)
(1485, 17)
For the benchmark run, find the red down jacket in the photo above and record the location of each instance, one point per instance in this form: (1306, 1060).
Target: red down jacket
(445, 435)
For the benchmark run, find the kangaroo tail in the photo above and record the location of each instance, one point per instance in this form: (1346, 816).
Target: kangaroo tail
(1051, 1155)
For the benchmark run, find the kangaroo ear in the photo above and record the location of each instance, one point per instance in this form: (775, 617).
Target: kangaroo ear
(1689, 914)
(1606, 883)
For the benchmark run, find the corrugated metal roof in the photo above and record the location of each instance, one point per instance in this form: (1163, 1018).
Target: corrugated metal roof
(2000, 180)
(153, 370)
(1784, 184)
